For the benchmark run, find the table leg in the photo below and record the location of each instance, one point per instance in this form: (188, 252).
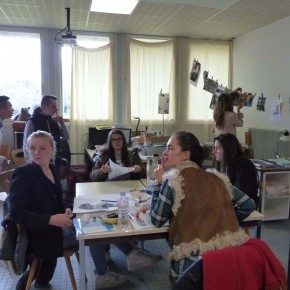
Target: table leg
(258, 230)
(82, 282)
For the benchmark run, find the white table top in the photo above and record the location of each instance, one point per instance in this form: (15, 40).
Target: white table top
(91, 189)
(106, 189)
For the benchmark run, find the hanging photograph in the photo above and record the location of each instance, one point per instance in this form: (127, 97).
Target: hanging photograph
(248, 99)
(219, 90)
(163, 105)
(276, 109)
(261, 103)
(209, 84)
(195, 72)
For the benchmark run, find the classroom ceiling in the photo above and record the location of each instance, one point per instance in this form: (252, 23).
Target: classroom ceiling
(204, 19)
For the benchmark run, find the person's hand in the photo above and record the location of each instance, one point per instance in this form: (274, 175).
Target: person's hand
(58, 118)
(106, 168)
(61, 220)
(241, 104)
(68, 212)
(136, 168)
(5, 162)
(158, 172)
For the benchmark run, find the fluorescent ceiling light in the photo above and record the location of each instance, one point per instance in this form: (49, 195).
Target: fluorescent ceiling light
(114, 6)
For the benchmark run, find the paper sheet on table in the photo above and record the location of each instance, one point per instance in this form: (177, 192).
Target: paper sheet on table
(117, 170)
(85, 205)
(3, 196)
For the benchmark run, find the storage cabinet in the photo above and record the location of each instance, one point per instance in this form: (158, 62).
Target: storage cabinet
(275, 194)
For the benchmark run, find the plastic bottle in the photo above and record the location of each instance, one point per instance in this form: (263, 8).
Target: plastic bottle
(152, 163)
(123, 211)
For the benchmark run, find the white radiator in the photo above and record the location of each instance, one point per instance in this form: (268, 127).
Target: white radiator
(266, 144)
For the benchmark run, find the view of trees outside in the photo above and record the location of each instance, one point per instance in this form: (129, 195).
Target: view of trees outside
(20, 73)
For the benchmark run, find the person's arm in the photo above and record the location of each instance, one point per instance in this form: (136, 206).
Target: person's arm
(243, 175)
(29, 129)
(97, 173)
(139, 167)
(64, 131)
(161, 204)
(243, 204)
(240, 115)
(237, 119)
(22, 201)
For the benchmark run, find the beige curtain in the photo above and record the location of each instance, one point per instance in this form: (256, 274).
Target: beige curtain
(91, 96)
(152, 69)
(193, 112)
(214, 57)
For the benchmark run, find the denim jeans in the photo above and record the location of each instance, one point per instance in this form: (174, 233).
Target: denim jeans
(98, 253)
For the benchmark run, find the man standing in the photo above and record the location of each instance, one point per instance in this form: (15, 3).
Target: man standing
(6, 112)
(45, 118)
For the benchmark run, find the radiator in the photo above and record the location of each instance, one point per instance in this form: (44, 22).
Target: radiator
(266, 144)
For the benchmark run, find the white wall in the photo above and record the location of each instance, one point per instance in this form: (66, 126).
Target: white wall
(261, 64)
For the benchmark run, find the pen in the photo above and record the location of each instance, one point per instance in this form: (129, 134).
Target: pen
(105, 200)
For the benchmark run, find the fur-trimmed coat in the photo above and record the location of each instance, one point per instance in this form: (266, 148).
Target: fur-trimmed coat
(202, 214)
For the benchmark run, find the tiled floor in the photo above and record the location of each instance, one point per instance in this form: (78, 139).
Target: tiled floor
(275, 233)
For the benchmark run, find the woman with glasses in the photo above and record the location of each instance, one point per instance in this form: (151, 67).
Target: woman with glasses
(120, 154)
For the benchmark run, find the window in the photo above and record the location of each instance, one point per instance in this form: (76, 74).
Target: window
(20, 73)
(87, 41)
(151, 70)
(214, 58)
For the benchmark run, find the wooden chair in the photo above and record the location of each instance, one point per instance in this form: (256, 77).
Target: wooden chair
(17, 157)
(67, 254)
(18, 129)
(5, 150)
(5, 177)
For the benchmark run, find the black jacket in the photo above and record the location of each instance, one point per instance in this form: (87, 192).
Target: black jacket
(243, 174)
(34, 198)
(46, 123)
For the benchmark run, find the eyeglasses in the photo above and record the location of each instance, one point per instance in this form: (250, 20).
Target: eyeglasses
(117, 140)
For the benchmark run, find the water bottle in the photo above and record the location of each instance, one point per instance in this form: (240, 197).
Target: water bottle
(123, 211)
(152, 163)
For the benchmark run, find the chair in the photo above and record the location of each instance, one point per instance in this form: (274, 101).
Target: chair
(251, 261)
(192, 278)
(5, 150)
(66, 254)
(5, 177)
(18, 130)
(17, 157)
(71, 173)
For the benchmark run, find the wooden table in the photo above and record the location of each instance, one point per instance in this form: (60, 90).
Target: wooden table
(97, 189)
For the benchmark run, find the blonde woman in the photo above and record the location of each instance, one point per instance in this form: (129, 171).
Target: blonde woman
(36, 205)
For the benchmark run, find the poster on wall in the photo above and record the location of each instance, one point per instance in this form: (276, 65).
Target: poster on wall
(248, 99)
(219, 90)
(195, 72)
(163, 105)
(261, 103)
(209, 84)
(276, 109)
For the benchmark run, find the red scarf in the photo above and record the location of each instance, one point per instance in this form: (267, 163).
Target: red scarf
(251, 266)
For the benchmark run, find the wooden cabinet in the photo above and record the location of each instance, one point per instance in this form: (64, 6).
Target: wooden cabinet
(275, 193)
